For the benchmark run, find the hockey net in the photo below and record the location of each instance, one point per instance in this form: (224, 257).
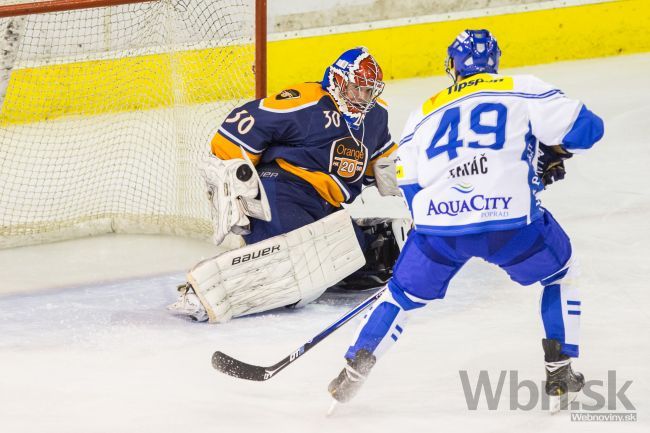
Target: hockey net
(107, 113)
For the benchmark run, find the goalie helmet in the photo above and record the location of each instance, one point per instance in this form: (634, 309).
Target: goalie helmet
(473, 52)
(354, 81)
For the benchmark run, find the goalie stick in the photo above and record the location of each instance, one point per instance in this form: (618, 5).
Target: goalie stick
(233, 367)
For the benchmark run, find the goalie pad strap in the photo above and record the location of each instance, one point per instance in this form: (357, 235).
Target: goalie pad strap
(294, 267)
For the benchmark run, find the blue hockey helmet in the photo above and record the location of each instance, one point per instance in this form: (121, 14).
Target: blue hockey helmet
(473, 52)
(354, 81)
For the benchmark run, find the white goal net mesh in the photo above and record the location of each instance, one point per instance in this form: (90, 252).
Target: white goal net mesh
(106, 114)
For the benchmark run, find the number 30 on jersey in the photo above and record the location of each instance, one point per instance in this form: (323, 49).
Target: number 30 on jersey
(244, 121)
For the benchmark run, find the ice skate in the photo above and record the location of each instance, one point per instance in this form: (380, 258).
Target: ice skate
(188, 304)
(562, 383)
(346, 385)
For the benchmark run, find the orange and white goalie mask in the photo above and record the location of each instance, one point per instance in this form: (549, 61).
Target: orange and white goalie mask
(354, 81)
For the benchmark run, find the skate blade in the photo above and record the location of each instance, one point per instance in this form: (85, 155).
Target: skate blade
(331, 409)
(557, 403)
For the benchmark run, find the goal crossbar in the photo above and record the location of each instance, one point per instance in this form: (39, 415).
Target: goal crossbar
(40, 7)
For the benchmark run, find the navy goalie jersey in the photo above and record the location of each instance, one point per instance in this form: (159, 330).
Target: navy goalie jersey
(302, 130)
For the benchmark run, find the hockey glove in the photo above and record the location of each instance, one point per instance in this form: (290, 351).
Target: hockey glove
(550, 163)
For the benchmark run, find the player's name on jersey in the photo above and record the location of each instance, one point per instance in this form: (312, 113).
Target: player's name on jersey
(469, 83)
(474, 167)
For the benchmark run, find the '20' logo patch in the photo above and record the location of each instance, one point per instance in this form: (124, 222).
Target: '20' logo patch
(348, 158)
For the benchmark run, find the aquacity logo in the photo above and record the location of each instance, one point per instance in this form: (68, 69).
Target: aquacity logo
(465, 188)
(476, 203)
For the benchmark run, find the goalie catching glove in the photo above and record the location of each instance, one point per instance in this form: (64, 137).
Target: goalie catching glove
(233, 189)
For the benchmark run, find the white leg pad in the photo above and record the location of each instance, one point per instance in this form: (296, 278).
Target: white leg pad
(294, 267)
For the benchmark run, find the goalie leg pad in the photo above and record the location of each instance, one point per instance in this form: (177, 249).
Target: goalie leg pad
(295, 267)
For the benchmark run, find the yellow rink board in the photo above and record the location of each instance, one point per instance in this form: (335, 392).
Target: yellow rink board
(139, 83)
(527, 38)
(128, 84)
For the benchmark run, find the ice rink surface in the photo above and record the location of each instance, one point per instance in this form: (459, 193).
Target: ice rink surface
(104, 356)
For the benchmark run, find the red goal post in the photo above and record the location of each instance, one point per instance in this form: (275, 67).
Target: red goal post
(107, 108)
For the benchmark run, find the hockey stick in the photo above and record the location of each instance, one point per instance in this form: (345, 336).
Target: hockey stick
(233, 367)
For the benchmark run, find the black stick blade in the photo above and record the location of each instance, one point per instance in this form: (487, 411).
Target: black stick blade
(233, 367)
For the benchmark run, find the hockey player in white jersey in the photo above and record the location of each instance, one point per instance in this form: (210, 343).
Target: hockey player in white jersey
(470, 163)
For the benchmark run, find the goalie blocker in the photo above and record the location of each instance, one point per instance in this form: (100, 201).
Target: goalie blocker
(293, 268)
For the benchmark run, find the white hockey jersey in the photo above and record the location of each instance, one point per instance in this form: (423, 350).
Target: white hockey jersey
(467, 157)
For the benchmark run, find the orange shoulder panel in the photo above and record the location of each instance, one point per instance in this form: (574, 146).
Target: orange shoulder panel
(225, 149)
(294, 98)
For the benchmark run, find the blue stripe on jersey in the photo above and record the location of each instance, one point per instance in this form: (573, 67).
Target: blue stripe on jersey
(587, 129)
(508, 224)
(407, 138)
(409, 192)
(528, 155)
(545, 95)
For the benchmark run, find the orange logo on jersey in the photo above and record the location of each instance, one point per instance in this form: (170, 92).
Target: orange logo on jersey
(348, 159)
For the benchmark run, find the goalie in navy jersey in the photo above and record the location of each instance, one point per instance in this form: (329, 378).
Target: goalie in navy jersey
(282, 168)
(314, 144)
(471, 164)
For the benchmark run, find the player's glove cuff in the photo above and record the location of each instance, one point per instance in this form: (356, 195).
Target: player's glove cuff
(550, 163)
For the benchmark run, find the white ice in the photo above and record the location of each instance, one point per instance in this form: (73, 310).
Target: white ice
(86, 344)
